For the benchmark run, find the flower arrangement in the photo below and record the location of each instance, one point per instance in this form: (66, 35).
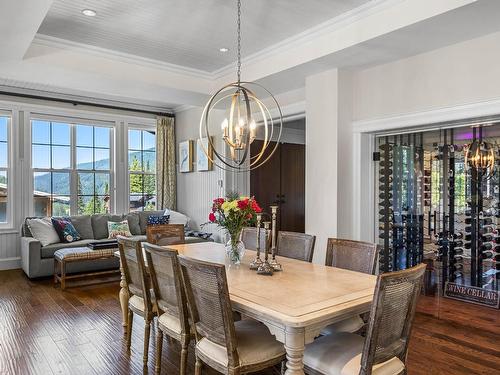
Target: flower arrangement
(233, 214)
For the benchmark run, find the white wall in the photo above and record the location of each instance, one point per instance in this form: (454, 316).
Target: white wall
(321, 158)
(463, 73)
(196, 190)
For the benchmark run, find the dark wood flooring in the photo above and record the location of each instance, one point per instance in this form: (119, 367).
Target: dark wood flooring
(46, 331)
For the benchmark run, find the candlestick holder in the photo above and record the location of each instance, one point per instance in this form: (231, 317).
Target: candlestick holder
(265, 268)
(274, 263)
(257, 262)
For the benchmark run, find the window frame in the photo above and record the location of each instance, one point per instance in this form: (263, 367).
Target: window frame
(141, 128)
(9, 213)
(72, 170)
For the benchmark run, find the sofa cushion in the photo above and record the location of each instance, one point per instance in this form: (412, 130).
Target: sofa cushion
(49, 250)
(83, 225)
(43, 230)
(118, 229)
(133, 223)
(178, 218)
(100, 224)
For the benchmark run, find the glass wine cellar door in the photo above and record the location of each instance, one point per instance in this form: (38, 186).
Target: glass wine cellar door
(438, 201)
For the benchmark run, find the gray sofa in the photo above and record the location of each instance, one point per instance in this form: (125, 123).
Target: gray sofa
(38, 261)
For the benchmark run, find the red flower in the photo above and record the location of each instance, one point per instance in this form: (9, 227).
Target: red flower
(211, 217)
(243, 204)
(256, 207)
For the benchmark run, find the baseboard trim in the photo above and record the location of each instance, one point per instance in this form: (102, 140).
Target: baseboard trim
(10, 263)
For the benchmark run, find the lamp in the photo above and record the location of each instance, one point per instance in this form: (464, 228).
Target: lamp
(480, 155)
(246, 117)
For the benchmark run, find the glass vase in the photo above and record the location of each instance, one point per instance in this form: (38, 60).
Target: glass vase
(235, 249)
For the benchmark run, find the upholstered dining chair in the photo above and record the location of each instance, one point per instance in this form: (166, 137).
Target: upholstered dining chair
(384, 349)
(296, 245)
(249, 238)
(227, 346)
(170, 301)
(354, 256)
(165, 234)
(138, 285)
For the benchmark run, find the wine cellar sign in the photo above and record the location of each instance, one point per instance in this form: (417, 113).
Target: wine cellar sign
(472, 294)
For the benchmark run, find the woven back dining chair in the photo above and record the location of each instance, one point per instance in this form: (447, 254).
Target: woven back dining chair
(170, 300)
(351, 255)
(386, 344)
(295, 245)
(354, 256)
(165, 234)
(210, 307)
(138, 285)
(249, 238)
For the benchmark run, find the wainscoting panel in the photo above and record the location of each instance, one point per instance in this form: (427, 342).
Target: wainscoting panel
(10, 252)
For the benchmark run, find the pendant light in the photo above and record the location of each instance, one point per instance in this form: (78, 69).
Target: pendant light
(480, 156)
(246, 118)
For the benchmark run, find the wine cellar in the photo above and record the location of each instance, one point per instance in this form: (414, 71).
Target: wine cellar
(438, 197)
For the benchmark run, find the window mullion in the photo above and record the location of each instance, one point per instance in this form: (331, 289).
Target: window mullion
(74, 173)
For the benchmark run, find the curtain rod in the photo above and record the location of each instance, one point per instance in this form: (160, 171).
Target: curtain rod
(79, 102)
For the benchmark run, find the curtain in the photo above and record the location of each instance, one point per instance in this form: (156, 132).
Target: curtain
(166, 184)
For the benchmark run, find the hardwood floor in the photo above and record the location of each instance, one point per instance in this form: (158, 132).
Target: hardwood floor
(46, 331)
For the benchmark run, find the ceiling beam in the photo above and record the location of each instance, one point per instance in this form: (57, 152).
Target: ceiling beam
(19, 22)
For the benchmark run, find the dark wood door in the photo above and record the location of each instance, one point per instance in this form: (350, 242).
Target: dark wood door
(281, 180)
(265, 180)
(293, 162)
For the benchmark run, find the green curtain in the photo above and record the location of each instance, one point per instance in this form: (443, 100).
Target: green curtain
(165, 163)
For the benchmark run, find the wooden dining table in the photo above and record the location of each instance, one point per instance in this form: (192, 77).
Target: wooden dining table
(295, 304)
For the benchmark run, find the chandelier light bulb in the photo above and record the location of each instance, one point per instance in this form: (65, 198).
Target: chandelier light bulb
(225, 124)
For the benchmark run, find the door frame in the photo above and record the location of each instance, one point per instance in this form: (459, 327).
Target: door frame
(363, 133)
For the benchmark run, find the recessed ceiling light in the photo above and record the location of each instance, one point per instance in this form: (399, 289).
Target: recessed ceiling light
(89, 12)
(223, 49)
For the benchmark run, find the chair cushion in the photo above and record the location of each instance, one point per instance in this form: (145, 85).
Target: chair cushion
(340, 353)
(170, 322)
(255, 345)
(136, 302)
(350, 325)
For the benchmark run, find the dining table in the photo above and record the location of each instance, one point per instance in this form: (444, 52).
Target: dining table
(295, 303)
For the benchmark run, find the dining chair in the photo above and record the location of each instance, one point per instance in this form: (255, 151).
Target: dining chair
(165, 234)
(385, 347)
(295, 245)
(249, 238)
(225, 345)
(138, 285)
(354, 256)
(170, 301)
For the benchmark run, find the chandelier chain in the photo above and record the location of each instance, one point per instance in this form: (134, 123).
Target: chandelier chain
(239, 42)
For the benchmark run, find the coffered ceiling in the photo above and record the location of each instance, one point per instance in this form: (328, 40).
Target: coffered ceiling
(187, 32)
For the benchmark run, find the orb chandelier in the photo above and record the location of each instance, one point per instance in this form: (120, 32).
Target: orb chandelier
(246, 118)
(480, 155)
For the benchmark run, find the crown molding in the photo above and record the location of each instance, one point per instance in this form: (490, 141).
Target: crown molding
(429, 117)
(53, 42)
(333, 24)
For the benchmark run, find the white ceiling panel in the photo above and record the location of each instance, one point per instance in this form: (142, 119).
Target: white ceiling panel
(187, 32)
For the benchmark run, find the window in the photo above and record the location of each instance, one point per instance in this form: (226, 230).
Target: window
(4, 168)
(71, 168)
(142, 169)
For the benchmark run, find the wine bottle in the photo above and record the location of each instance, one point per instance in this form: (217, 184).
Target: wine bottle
(457, 267)
(487, 254)
(486, 246)
(458, 257)
(458, 251)
(458, 235)
(458, 243)
(486, 238)
(458, 274)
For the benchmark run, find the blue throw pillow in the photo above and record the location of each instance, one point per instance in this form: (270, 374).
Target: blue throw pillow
(65, 229)
(196, 233)
(158, 220)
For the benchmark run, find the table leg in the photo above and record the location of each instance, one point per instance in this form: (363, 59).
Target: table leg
(294, 346)
(124, 297)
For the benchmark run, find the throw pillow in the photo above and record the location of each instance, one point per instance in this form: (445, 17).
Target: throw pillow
(118, 229)
(65, 229)
(158, 220)
(43, 230)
